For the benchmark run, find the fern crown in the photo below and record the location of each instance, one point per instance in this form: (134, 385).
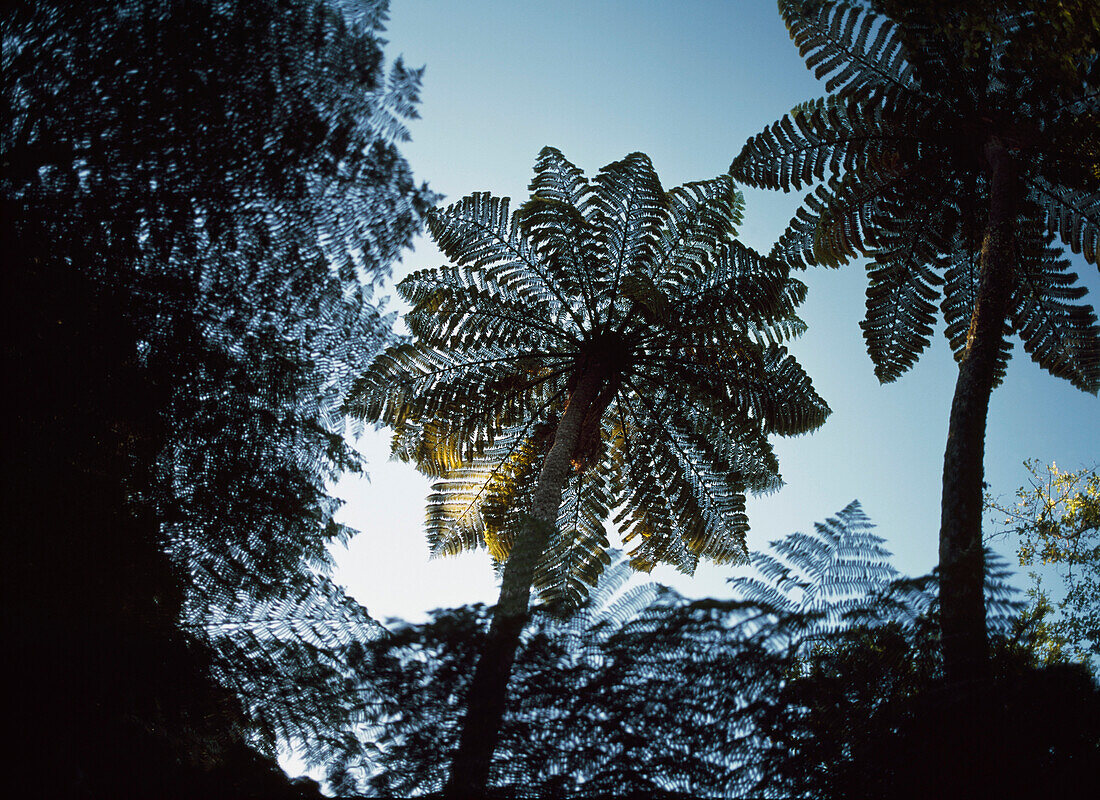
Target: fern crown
(897, 153)
(649, 289)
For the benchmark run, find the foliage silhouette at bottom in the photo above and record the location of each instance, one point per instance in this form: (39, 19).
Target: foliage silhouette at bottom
(832, 687)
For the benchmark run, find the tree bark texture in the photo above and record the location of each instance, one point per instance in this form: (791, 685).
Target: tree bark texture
(489, 687)
(962, 563)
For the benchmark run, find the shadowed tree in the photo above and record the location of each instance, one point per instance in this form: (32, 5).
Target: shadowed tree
(609, 346)
(959, 139)
(197, 201)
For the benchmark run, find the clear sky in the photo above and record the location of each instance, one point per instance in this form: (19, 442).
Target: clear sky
(687, 83)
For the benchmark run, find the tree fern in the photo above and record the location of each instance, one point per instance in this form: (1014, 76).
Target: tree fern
(608, 345)
(958, 140)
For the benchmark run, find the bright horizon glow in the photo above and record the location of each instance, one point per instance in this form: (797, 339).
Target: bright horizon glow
(686, 83)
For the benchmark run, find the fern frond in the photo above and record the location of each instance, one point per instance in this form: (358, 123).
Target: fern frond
(703, 217)
(680, 469)
(740, 291)
(627, 213)
(576, 556)
(479, 393)
(460, 309)
(960, 293)
(478, 232)
(825, 137)
(1071, 214)
(1062, 337)
(478, 500)
(824, 577)
(291, 660)
(555, 222)
(856, 50)
(837, 222)
(901, 313)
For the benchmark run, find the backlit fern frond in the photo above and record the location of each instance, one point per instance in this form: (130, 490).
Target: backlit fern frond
(628, 213)
(473, 396)
(741, 291)
(579, 550)
(837, 221)
(854, 49)
(702, 220)
(828, 574)
(1062, 337)
(478, 233)
(825, 137)
(901, 312)
(478, 501)
(289, 661)
(455, 307)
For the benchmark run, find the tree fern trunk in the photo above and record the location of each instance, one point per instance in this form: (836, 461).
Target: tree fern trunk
(962, 564)
(488, 690)
(962, 561)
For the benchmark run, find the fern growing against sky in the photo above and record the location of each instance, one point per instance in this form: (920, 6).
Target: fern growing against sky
(958, 141)
(607, 346)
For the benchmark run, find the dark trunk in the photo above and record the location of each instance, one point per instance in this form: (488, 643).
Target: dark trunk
(489, 688)
(962, 562)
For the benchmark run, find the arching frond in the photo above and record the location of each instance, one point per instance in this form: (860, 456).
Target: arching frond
(478, 233)
(458, 309)
(479, 392)
(288, 660)
(479, 501)
(555, 223)
(901, 312)
(854, 49)
(703, 217)
(579, 551)
(837, 221)
(1062, 337)
(627, 213)
(678, 491)
(741, 291)
(827, 137)
(1071, 214)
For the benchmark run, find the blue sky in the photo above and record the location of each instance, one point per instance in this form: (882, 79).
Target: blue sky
(687, 83)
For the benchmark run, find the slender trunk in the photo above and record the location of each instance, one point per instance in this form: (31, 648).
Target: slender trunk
(489, 688)
(962, 560)
(962, 565)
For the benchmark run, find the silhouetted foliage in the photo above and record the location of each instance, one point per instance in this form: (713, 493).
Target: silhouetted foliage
(823, 678)
(198, 200)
